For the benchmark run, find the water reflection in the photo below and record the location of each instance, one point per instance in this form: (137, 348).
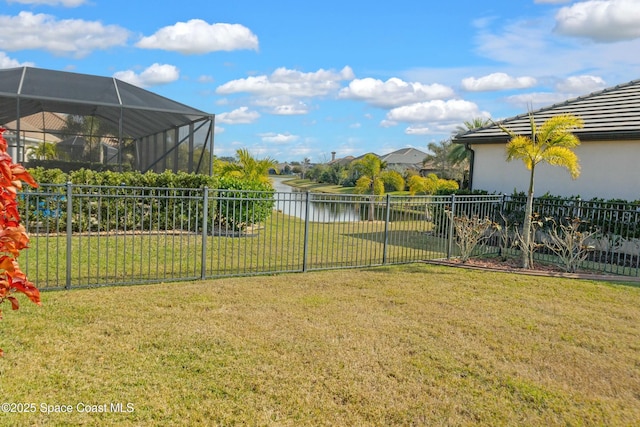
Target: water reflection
(292, 201)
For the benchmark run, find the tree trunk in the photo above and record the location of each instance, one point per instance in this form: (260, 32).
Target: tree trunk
(526, 228)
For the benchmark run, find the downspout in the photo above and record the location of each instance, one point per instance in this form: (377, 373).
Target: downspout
(472, 158)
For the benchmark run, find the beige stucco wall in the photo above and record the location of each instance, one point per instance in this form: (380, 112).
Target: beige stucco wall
(609, 170)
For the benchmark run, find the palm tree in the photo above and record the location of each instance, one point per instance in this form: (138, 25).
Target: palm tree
(552, 143)
(44, 151)
(459, 153)
(441, 157)
(369, 169)
(247, 167)
(92, 129)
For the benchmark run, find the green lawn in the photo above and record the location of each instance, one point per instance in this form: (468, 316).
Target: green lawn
(403, 345)
(277, 245)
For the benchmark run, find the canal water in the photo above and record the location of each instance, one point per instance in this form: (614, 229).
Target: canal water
(292, 201)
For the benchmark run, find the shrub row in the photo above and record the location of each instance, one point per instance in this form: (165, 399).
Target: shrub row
(149, 201)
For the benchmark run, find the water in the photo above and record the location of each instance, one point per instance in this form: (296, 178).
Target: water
(293, 202)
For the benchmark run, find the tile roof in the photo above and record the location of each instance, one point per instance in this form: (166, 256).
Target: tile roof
(407, 156)
(612, 113)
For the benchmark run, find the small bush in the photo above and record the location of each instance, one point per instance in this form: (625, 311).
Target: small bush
(470, 232)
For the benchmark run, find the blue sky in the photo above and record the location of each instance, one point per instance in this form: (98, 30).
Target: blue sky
(290, 79)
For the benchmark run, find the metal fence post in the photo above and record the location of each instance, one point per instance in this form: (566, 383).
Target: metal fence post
(205, 216)
(306, 232)
(386, 231)
(69, 231)
(450, 231)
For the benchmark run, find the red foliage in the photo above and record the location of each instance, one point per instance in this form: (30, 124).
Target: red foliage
(13, 237)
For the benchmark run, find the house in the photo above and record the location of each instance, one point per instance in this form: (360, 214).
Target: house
(34, 130)
(609, 153)
(403, 159)
(400, 160)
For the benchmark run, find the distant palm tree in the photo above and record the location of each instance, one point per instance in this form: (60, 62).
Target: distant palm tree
(44, 151)
(550, 143)
(369, 170)
(247, 167)
(93, 130)
(459, 152)
(439, 155)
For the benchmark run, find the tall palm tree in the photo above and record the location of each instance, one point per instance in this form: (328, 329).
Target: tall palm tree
(247, 167)
(551, 143)
(369, 169)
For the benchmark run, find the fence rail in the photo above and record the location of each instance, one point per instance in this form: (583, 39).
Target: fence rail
(96, 236)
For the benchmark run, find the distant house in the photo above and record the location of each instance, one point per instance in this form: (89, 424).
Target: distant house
(34, 130)
(400, 160)
(609, 153)
(406, 158)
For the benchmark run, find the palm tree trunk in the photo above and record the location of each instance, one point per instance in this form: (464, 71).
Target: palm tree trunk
(526, 228)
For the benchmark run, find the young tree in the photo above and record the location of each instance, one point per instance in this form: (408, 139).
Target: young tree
(552, 143)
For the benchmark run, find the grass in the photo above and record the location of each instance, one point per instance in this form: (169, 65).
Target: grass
(277, 246)
(404, 345)
(317, 187)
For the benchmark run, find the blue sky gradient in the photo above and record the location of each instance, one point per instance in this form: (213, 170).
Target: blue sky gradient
(291, 79)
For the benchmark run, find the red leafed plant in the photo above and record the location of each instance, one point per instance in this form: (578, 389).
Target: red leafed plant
(13, 236)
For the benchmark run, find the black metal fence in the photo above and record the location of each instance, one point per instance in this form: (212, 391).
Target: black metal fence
(615, 244)
(96, 236)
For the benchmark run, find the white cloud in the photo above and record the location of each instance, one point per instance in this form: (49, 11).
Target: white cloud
(65, 3)
(435, 111)
(417, 130)
(497, 81)
(516, 43)
(535, 100)
(529, 47)
(74, 37)
(290, 109)
(282, 105)
(600, 20)
(197, 36)
(394, 92)
(6, 62)
(291, 83)
(240, 115)
(581, 85)
(156, 74)
(278, 138)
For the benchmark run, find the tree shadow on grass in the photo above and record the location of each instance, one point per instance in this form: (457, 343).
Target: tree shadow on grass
(412, 239)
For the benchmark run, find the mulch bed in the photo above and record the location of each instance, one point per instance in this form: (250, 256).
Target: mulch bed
(512, 265)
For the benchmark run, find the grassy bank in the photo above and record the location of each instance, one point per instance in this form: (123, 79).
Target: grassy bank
(414, 344)
(316, 187)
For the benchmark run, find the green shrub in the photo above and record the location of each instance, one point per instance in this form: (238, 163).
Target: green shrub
(241, 203)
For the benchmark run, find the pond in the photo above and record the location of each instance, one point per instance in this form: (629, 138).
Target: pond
(292, 201)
